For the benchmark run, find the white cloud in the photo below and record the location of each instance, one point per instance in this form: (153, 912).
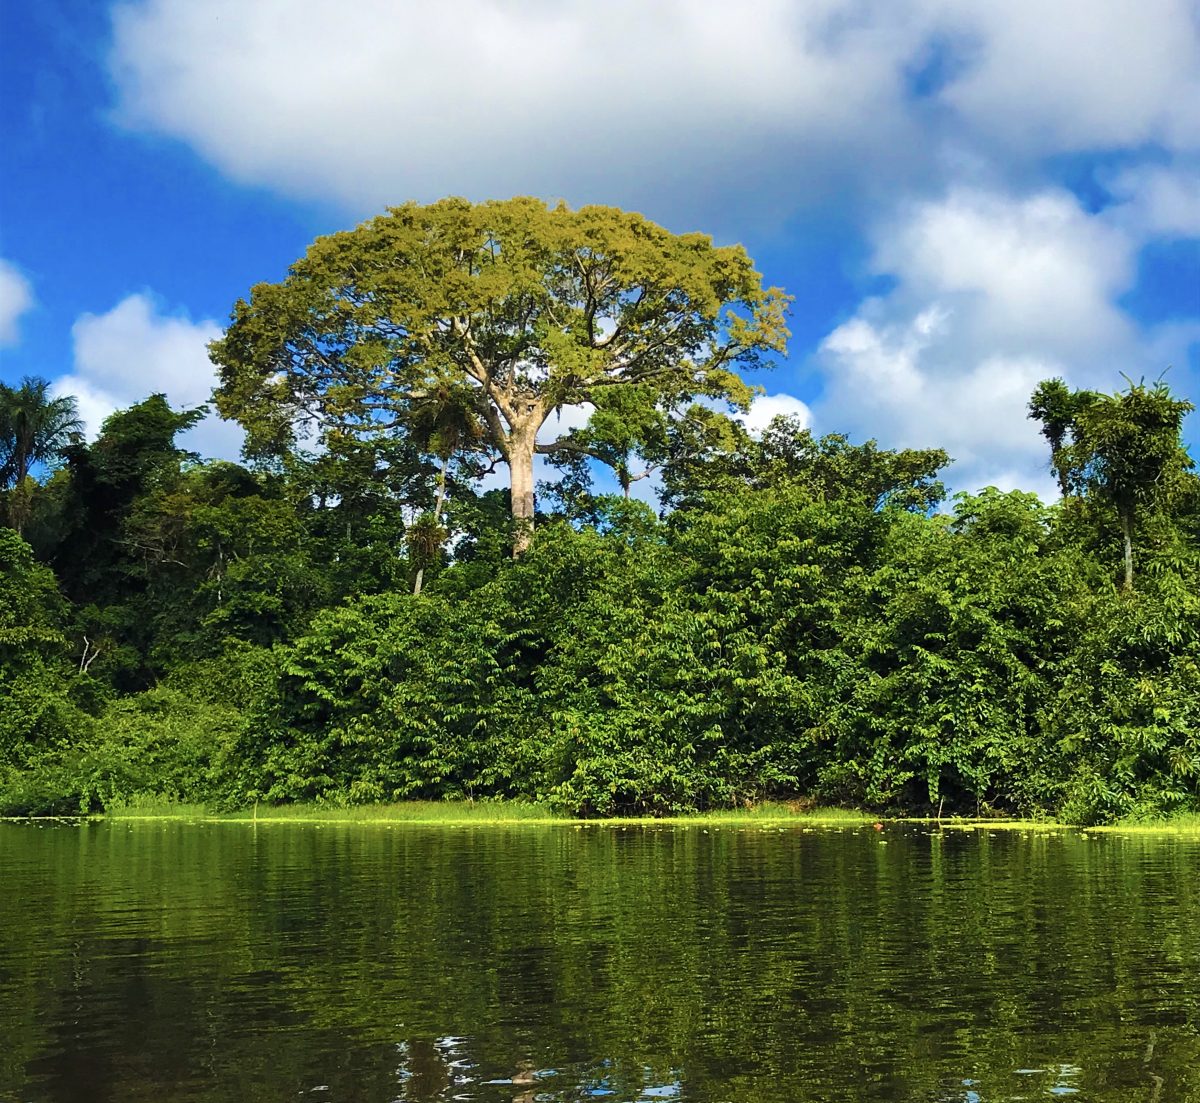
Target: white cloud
(1158, 200)
(133, 351)
(1077, 74)
(564, 420)
(1029, 271)
(914, 386)
(705, 118)
(766, 407)
(994, 293)
(627, 102)
(663, 105)
(16, 297)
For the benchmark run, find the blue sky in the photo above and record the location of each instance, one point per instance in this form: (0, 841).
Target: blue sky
(962, 198)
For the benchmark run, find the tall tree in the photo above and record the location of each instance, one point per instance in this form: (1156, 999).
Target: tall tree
(134, 452)
(1056, 407)
(35, 428)
(1128, 454)
(532, 307)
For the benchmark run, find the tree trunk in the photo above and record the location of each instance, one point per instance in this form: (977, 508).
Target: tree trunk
(20, 503)
(1127, 537)
(437, 519)
(440, 500)
(521, 443)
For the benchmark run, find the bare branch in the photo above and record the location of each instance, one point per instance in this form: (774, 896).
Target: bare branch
(91, 652)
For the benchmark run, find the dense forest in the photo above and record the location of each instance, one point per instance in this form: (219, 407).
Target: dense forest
(351, 614)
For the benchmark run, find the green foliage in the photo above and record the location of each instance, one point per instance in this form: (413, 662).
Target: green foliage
(348, 626)
(172, 743)
(954, 649)
(35, 428)
(787, 454)
(1057, 407)
(1128, 450)
(1125, 453)
(40, 711)
(30, 604)
(160, 745)
(501, 313)
(1127, 708)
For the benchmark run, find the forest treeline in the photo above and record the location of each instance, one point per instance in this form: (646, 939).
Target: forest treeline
(350, 616)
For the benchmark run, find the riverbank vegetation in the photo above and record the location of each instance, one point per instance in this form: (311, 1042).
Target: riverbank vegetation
(465, 813)
(355, 615)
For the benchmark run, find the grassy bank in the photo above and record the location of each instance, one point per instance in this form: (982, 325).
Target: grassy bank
(1183, 823)
(509, 812)
(466, 813)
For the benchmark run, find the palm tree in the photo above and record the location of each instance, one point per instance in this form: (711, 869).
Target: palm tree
(34, 429)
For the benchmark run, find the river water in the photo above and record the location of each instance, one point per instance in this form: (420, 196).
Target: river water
(227, 962)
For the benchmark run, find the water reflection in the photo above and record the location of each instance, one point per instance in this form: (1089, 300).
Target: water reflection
(534, 965)
(443, 1069)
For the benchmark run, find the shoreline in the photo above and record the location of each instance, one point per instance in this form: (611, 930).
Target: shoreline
(517, 814)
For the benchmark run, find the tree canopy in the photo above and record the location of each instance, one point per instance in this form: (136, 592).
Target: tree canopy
(532, 308)
(35, 428)
(1123, 450)
(804, 617)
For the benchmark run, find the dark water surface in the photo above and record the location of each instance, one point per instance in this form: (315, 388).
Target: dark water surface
(226, 962)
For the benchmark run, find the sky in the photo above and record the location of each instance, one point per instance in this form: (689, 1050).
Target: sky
(963, 198)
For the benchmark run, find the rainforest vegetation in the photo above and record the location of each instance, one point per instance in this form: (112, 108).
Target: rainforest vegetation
(375, 605)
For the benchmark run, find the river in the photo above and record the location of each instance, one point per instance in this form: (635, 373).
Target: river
(219, 962)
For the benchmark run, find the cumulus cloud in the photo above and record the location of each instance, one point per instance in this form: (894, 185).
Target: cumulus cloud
(1077, 74)
(993, 293)
(664, 106)
(766, 407)
(564, 420)
(1158, 200)
(16, 297)
(1034, 270)
(629, 102)
(903, 381)
(135, 350)
(673, 107)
